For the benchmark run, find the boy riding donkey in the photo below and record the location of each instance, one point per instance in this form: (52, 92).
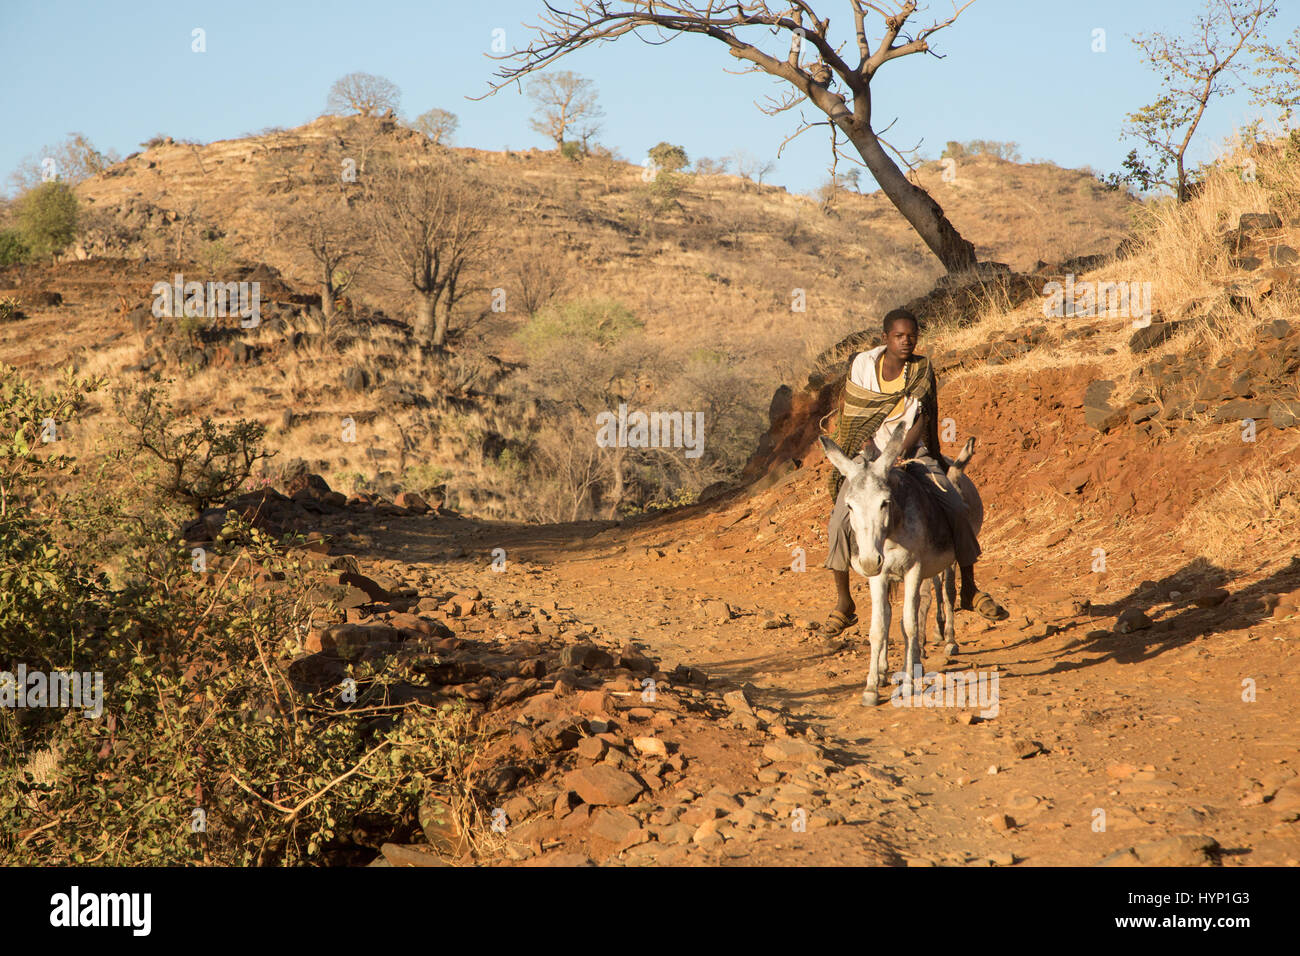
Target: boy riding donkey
(888, 385)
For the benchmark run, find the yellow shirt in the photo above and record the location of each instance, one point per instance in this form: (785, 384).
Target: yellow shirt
(895, 385)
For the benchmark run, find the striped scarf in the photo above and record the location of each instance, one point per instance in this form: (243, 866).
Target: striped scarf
(866, 410)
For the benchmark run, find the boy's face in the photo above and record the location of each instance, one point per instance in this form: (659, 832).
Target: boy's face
(900, 340)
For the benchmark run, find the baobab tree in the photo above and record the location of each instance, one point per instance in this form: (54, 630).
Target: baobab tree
(363, 93)
(565, 101)
(805, 56)
(431, 225)
(1196, 68)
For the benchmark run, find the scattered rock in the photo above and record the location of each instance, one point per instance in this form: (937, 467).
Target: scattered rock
(602, 785)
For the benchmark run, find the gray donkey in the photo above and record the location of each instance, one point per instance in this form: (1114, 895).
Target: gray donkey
(900, 533)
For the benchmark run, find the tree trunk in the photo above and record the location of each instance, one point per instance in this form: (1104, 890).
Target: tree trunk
(441, 319)
(327, 300)
(424, 320)
(917, 206)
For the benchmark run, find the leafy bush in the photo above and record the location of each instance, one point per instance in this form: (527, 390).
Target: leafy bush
(47, 219)
(216, 744)
(12, 248)
(200, 462)
(571, 150)
(669, 157)
(599, 321)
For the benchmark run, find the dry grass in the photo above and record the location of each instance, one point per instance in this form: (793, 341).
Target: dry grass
(1243, 514)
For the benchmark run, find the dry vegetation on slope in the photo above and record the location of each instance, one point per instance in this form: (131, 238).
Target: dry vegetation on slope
(708, 266)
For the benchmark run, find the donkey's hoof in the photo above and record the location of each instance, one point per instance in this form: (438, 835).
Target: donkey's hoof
(870, 698)
(950, 650)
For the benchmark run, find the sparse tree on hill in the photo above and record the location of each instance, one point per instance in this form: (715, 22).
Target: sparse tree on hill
(73, 161)
(438, 125)
(750, 167)
(363, 93)
(334, 236)
(1196, 68)
(431, 225)
(789, 41)
(669, 157)
(565, 102)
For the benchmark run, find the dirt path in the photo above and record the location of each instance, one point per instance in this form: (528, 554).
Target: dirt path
(1148, 728)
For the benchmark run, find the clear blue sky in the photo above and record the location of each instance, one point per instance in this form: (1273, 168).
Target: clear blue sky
(122, 71)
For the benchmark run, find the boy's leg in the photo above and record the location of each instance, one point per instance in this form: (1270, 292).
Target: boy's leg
(839, 542)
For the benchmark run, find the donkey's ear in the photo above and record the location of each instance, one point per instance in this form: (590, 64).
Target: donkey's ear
(892, 448)
(845, 465)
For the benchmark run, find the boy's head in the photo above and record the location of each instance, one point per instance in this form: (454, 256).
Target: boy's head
(901, 332)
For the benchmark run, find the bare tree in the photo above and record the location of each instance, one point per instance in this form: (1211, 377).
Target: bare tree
(840, 90)
(438, 125)
(333, 235)
(1196, 69)
(541, 273)
(750, 167)
(565, 101)
(431, 225)
(363, 93)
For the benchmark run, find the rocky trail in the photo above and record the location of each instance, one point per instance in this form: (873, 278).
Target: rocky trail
(1145, 713)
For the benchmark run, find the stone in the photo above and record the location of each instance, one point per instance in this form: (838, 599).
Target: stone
(1192, 850)
(398, 855)
(650, 746)
(1131, 619)
(438, 822)
(372, 589)
(1258, 221)
(411, 502)
(1240, 410)
(620, 828)
(1284, 414)
(738, 701)
(1153, 335)
(586, 656)
(1143, 413)
(791, 749)
(603, 785)
(1102, 419)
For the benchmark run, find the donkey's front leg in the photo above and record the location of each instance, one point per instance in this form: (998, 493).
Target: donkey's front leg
(912, 630)
(879, 638)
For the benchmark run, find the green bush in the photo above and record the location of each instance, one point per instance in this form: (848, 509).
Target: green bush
(571, 150)
(669, 157)
(12, 248)
(47, 219)
(205, 705)
(198, 462)
(599, 321)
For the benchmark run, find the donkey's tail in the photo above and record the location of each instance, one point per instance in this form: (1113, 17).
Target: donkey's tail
(959, 463)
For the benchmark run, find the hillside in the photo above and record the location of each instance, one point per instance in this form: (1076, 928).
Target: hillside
(713, 278)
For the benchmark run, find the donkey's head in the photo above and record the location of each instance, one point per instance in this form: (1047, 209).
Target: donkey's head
(867, 494)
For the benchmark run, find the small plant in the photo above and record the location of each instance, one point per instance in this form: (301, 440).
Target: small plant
(10, 308)
(200, 462)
